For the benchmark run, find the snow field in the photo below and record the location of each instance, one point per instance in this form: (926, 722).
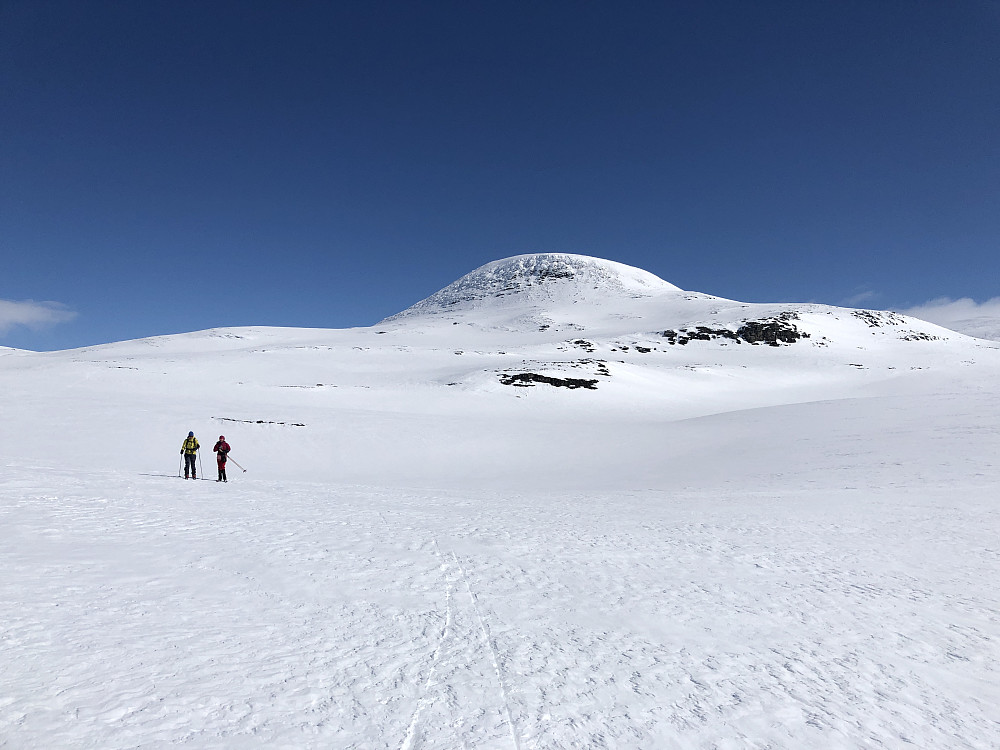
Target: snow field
(722, 546)
(146, 611)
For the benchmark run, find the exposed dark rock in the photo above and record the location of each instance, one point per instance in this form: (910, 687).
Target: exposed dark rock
(552, 272)
(771, 331)
(600, 365)
(258, 421)
(878, 318)
(528, 379)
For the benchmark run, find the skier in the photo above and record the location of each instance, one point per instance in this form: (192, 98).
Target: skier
(189, 449)
(222, 448)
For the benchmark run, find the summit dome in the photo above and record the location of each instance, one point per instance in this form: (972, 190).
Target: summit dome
(542, 277)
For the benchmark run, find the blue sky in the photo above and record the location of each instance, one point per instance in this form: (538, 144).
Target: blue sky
(175, 166)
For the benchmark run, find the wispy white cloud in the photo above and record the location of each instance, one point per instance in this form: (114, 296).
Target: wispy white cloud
(31, 314)
(860, 298)
(965, 315)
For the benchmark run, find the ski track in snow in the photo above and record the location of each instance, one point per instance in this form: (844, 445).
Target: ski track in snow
(494, 657)
(147, 611)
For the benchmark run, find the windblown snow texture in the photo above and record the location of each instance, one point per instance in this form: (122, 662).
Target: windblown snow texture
(748, 525)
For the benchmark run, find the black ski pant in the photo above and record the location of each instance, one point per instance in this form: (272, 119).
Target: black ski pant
(189, 464)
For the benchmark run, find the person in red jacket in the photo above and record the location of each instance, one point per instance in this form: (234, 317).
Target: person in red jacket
(222, 449)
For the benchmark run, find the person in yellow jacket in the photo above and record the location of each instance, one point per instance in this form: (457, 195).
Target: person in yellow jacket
(189, 449)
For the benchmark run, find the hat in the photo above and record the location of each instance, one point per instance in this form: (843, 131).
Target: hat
(190, 434)
(222, 437)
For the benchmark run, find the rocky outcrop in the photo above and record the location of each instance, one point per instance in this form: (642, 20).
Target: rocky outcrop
(878, 318)
(528, 379)
(771, 331)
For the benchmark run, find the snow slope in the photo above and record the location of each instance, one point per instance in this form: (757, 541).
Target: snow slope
(560, 503)
(983, 326)
(554, 383)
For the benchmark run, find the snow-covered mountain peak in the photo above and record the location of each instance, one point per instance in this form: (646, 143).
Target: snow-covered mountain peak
(543, 277)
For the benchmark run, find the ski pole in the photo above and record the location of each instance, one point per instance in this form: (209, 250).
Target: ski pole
(231, 459)
(200, 468)
(179, 465)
